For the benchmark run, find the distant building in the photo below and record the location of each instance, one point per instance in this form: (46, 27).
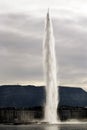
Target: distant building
(67, 113)
(18, 116)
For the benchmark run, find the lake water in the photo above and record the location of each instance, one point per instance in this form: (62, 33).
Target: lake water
(45, 127)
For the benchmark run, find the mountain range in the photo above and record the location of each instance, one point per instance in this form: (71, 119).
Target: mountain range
(33, 96)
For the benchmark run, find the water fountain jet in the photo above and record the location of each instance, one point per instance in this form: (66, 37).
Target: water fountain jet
(50, 74)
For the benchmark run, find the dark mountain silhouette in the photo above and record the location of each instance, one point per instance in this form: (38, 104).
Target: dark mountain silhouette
(30, 96)
(70, 96)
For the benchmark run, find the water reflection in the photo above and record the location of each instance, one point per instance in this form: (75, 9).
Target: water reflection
(52, 127)
(73, 127)
(45, 127)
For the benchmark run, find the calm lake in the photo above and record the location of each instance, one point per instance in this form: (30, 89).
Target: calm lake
(45, 127)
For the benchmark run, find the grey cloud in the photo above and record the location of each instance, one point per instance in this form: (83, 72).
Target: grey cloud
(71, 50)
(21, 56)
(24, 23)
(17, 44)
(82, 21)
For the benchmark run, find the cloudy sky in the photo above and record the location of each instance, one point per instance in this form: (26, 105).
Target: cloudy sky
(21, 39)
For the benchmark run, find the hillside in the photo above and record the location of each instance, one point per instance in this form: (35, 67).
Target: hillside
(31, 96)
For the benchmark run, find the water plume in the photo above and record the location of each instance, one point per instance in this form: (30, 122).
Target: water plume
(50, 73)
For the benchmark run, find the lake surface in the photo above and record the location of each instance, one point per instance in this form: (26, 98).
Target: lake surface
(45, 127)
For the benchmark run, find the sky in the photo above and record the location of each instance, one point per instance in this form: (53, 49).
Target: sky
(21, 39)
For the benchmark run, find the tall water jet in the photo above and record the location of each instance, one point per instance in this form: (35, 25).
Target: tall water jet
(50, 73)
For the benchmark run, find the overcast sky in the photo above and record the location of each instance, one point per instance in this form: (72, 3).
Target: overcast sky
(21, 38)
